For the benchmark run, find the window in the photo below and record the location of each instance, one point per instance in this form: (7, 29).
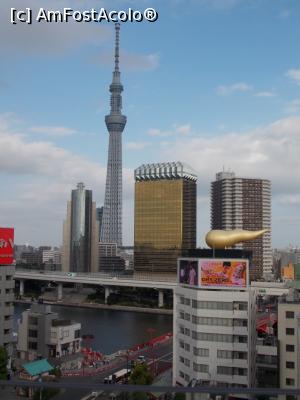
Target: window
(223, 370)
(187, 332)
(212, 321)
(181, 329)
(212, 305)
(187, 347)
(33, 321)
(181, 314)
(187, 377)
(187, 302)
(201, 352)
(289, 314)
(181, 359)
(33, 333)
(290, 364)
(181, 300)
(240, 306)
(187, 362)
(290, 347)
(181, 374)
(181, 344)
(290, 331)
(77, 334)
(224, 354)
(290, 381)
(212, 337)
(187, 317)
(200, 367)
(241, 339)
(240, 322)
(32, 345)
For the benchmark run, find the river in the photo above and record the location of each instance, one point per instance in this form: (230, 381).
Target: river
(112, 330)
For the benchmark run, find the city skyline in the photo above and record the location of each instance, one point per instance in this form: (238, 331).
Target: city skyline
(247, 96)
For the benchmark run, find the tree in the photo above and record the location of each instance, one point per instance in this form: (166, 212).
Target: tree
(141, 375)
(179, 396)
(3, 363)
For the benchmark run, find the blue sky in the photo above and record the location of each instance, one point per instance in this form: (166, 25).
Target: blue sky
(212, 82)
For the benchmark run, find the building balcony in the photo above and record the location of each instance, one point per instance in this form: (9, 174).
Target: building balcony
(236, 346)
(233, 362)
(240, 330)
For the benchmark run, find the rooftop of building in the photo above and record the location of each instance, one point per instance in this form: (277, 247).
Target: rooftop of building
(166, 170)
(62, 322)
(38, 367)
(231, 175)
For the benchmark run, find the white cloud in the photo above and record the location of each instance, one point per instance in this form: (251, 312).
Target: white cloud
(265, 94)
(46, 38)
(294, 74)
(224, 90)
(130, 61)
(53, 130)
(289, 199)
(176, 130)
(136, 145)
(271, 152)
(183, 129)
(293, 107)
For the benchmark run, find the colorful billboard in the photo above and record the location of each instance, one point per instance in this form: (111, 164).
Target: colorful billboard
(223, 273)
(188, 272)
(6, 246)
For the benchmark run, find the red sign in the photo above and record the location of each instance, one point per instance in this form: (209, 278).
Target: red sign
(6, 246)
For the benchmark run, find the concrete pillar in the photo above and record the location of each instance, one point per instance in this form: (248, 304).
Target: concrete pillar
(160, 298)
(59, 291)
(21, 287)
(107, 293)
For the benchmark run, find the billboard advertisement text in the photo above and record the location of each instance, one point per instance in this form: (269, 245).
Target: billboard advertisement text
(6, 246)
(226, 273)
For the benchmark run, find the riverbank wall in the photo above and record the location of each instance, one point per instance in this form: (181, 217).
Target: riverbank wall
(115, 307)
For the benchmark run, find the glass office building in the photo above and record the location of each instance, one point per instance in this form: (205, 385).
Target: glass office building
(81, 233)
(165, 215)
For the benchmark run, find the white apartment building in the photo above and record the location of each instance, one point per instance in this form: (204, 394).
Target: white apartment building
(289, 342)
(214, 336)
(42, 333)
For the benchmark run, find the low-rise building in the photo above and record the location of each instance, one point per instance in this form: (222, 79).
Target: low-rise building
(42, 334)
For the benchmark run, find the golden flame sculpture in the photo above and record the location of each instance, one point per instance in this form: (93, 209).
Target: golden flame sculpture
(218, 239)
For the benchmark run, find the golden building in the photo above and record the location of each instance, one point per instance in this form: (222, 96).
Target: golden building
(165, 215)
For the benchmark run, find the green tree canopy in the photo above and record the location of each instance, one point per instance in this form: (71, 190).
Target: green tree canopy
(141, 375)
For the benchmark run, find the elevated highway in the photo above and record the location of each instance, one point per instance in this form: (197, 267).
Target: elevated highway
(108, 281)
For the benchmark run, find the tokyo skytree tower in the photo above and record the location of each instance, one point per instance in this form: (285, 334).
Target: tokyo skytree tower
(111, 229)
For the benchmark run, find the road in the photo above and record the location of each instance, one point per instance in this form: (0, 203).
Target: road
(161, 353)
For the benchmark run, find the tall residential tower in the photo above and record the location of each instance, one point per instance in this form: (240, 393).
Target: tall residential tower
(111, 230)
(244, 203)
